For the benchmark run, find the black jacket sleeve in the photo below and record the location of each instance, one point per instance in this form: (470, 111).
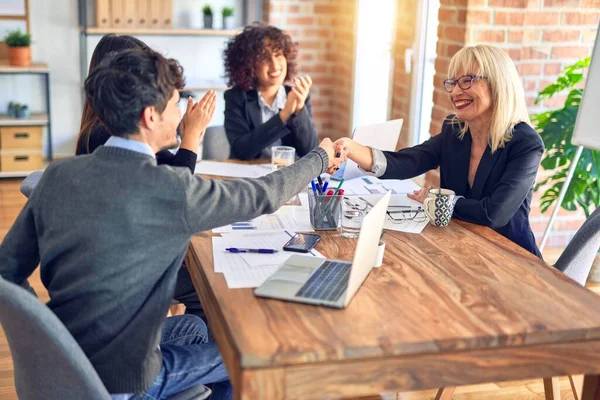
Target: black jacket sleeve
(304, 132)
(183, 157)
(413, 161)
(509, 193)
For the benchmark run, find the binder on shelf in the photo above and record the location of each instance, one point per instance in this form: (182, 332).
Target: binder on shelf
(167, 14)
(155, 14)
(143, 13)
(116, 10)
(103, 13)
(130, 14)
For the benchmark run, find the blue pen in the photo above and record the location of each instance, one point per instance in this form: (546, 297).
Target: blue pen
(261, 251)
(314, 187)
(325, 187)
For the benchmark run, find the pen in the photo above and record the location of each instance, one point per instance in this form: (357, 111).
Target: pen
(320, 185)
(324, 187)
(405, 211)
(261, 251)
(338, 188)
(314, 187)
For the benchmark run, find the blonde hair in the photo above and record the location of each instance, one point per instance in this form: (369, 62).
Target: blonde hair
(508, 96)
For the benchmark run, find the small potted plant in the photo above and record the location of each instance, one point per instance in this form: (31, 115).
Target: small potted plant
(18, 110)
(208, 16)
(19, 50)
(227, 13)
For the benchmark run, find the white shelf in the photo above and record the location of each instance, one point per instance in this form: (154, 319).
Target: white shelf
(161, 31)
(16, 174)
(34, 68)
(36, 119)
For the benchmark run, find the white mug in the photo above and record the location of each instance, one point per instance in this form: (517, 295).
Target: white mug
(439, 206)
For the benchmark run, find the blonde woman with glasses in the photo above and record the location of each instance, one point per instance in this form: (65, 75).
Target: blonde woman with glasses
(487, 151)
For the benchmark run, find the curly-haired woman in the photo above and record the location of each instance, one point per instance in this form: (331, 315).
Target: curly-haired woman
(260, 110)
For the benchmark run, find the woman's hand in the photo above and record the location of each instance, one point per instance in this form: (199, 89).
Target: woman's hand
(300, 91)
(196, 119)
(345, 145)
(335, 158)
(290, 106)
(420, 195)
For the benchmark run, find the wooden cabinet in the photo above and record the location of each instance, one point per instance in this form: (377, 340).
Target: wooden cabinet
(21, 139)
(20, 148)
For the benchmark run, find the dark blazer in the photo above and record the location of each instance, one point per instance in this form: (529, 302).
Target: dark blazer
(503, 186)
(248, 136)
(183, 157)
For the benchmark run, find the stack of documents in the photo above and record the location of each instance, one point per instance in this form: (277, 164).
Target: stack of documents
(249, 270)
(373, 185)
(232, 170)
(290, 218)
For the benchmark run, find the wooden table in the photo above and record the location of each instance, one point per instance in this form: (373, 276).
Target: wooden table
(453, 306)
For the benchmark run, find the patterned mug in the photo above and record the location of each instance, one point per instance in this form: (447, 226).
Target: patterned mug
(439, 206)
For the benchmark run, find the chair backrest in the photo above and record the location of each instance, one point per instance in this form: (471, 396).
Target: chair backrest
(577, 258)
(215, 144)
(48, 362)
(30, 182)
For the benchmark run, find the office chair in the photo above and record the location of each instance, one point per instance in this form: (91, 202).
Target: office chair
(48, 362)
(215, 145)
(30, 182)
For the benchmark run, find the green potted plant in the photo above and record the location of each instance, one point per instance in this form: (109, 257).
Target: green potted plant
(556, 129)
(19, 49)
(227, 13)
(208, 16)
(18, 110)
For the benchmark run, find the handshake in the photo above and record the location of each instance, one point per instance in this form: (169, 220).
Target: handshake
(337, 152)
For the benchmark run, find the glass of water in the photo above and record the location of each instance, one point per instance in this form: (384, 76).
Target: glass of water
(282, 156)
(353, 212)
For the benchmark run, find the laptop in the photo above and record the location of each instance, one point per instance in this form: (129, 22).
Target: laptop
(326, 282)
(380, 136)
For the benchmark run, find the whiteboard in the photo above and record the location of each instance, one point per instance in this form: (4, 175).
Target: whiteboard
(587, 126)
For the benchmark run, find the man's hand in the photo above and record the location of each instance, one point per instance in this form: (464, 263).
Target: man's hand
(334, 162)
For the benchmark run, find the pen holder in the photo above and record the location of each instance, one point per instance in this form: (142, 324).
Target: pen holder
(325, 211)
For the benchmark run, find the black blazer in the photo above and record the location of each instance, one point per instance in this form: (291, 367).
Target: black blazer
(248, 136)
(503, 186)
(183, 157)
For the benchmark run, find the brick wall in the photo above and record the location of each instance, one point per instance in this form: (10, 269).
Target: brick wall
(324, 31)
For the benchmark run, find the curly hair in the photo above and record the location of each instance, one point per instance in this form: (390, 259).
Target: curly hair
(245, 51)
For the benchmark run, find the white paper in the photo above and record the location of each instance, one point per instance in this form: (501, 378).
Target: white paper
(238, 274)
(249, 270)
(264, 240)
(373, 185)
(290, 218)
(232, 170)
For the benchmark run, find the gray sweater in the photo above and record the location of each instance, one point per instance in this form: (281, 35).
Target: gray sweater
(110, 230)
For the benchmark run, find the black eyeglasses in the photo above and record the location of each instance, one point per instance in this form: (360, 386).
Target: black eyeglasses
(464, 82)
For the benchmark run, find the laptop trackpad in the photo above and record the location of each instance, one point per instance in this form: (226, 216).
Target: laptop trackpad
(291, 274)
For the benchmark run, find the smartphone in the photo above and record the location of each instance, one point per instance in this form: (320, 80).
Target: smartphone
(302, 242)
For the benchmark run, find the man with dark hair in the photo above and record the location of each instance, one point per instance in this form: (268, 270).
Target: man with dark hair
(111, 228)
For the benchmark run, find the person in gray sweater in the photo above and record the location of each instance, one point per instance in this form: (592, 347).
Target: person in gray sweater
(110, 229)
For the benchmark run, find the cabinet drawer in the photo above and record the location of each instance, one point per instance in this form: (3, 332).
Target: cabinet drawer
(21, 137)
(17, 161)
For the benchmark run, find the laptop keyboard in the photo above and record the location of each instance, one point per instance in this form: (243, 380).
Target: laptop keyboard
(328, 282)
